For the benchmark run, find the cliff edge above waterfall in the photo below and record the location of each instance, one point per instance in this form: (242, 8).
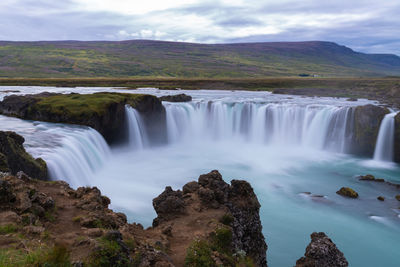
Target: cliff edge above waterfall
(104, 112)
(14, 158)
(209, 222)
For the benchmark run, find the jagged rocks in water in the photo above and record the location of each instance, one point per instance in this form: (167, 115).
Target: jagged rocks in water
(14, 158)
(347, 192)
(237, 199)
(176, 98)
(367, 120)
(322, 252)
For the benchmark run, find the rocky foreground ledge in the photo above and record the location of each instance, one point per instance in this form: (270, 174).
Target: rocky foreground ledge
(208, 223)
(104, 112)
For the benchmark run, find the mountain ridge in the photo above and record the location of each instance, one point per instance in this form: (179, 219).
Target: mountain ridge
(149, 58)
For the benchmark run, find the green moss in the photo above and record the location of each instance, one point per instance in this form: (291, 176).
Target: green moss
(57, 256)
(109, 253)
(77, 219)
(77, 106)
(8, 229)
(3, 163)
(199, 254)
(226, 219)
(222, 239)
(347, 192)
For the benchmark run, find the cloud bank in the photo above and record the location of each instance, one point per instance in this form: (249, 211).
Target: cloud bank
(364, 25)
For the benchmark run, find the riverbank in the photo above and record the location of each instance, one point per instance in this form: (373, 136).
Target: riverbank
(386, 90)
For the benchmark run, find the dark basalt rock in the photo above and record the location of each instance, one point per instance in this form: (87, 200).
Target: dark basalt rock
(370, 177)
(322, 252)
(367, 120)
(397, 138)
(14, 158)
(214, 193)
(167, 205)
(176, 98)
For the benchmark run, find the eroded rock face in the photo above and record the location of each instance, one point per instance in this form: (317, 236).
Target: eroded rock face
(176, 98)
(14, 158)
(214, 193)
(322, 252)
(397, 138)
(367, 120)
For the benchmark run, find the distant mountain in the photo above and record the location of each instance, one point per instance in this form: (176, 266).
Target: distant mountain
(170, 59)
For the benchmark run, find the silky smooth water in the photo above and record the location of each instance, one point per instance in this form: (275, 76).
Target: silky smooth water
(284, 146)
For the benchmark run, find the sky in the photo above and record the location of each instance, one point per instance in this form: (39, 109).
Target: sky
(363, 25)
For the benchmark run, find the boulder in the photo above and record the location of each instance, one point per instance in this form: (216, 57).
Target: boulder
(347, 192)
(322, 252)
(367, 121)
(176, 98)
(14, 157)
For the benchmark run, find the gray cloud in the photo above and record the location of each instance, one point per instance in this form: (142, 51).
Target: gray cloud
(364, 25)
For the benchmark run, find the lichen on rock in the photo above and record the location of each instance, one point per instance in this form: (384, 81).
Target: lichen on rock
(322, 252)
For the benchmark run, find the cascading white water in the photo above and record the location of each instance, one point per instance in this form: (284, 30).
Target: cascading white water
(136, 131)
(81, 154)
(385, 142)
(313, 126)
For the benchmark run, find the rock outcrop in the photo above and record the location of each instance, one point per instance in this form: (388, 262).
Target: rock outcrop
(76, 226)
(176, 98)
(347, 192)
(104, 112)
(237, 200)
(14, 158)
(367, 120)
(322, 252)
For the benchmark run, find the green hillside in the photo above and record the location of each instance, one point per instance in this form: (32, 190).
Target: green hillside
(140, 58)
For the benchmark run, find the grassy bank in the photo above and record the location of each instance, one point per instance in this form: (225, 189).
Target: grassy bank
(384, 89)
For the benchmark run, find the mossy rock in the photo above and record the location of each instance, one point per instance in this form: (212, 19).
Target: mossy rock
(104, 112)
(3, 163)
(14, 157)
(397, 197)
(381, 198)
(347, 192)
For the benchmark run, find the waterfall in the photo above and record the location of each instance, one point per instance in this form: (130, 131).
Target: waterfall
(136, 131)
(81, 154)
(385, 141)
(314, 126)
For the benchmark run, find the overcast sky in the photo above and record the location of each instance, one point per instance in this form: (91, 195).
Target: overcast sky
(364, 25)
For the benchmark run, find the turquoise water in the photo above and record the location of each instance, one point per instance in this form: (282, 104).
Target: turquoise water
(279, 178)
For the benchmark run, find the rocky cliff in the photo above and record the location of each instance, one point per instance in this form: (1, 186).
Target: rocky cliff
(322, 252)
(208, 222)
(14, 158)
(367, 120)
(397, 138)
(104, 112)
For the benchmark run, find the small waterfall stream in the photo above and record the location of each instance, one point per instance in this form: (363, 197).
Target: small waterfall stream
(385, 142)
(81, 154)
(137, 137)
